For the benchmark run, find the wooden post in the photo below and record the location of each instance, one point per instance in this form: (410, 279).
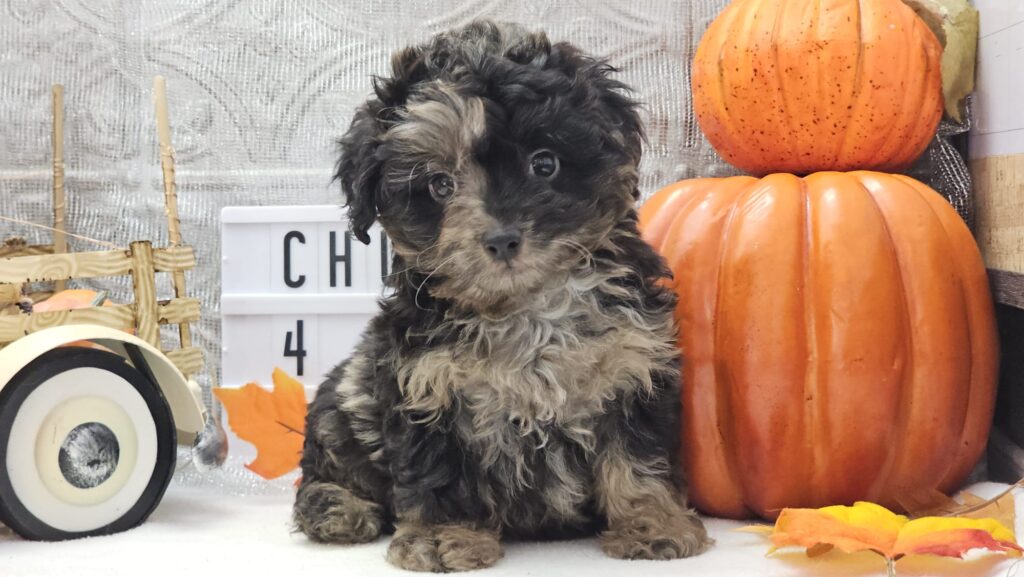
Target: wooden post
(59, 240)
(163, 127)
(144, 283)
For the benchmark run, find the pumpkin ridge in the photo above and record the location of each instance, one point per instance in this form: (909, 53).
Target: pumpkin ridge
(701, 60)
(918, 119)
(913, 123)
(822, 88)
(659, 238)
(953, 464)
(809, 414)
(858, 80)
(954, 312)
(726, 494)
(895, 458)
(894, 131)
(790, 142)
(912, 126)
(731, 125)
(928, 40)
(723, 397)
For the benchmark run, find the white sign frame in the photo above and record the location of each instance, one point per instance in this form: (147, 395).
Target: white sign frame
(297, 291)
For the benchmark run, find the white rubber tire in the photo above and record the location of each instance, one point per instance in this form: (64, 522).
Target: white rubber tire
(54, 395)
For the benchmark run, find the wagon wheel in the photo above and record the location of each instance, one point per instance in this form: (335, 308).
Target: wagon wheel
(87, 446)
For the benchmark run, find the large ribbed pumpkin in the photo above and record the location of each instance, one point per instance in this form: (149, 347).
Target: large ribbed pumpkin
(838, 339)
(808, 85)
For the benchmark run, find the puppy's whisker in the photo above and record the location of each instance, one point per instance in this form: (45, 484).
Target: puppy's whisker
(418, 263)
(584, 252)
(409, 180)
(416, 298)
(419, 256)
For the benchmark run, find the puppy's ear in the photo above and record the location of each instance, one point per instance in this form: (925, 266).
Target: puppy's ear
(408, 68)
(626, 128)
(359, 172)
(617, 106)
(611, 98)
(359, 168)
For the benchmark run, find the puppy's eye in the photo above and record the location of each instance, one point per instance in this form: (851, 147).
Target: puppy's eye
(544, 164)
(441, 186)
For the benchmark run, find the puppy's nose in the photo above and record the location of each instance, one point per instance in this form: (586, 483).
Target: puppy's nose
(503, 243)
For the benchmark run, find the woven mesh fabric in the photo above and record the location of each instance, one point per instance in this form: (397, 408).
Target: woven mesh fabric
(259, 91)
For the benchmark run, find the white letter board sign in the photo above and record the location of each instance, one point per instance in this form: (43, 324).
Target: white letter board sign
(297, 290)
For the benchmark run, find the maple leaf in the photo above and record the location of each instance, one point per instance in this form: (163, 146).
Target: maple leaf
(871, 527)
(275, 422)
(955, 23)
(934, 503)
(954, 537)
(1002, 507)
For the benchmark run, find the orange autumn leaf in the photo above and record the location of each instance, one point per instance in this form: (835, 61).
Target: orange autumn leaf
(871, 527)
(275, 422)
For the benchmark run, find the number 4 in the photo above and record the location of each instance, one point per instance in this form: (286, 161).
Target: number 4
(298, 352)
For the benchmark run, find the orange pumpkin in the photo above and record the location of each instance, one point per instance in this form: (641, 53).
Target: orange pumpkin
(73, 299)
(807, 85)
(70, 299)
(838, 338)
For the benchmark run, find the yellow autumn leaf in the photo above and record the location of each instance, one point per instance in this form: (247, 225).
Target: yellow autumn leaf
(871, 527)
(863, 527)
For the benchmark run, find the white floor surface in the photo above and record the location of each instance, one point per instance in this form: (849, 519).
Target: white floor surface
(197, 531)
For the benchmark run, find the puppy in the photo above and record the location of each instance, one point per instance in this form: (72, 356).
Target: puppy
(522, 380)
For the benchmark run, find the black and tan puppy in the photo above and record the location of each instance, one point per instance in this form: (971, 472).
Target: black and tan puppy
(523, 378)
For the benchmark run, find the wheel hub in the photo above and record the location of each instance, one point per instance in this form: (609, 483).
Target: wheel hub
(89, 454)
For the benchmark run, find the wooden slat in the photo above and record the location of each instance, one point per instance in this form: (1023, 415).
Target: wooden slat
(999, 210)
(189, 361)
(52, 267)
(13, 327)
(25, 250)
(1007, 287)
(143, 282)
(114, 316)
(178, 311)
(60, 243)
(174, 259)
(9, 294)
(163, 127)
(184, 332)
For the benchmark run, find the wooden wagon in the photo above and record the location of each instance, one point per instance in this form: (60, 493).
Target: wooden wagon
(91, 406)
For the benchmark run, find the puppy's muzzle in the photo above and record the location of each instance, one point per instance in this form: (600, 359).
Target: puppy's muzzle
(503, 243)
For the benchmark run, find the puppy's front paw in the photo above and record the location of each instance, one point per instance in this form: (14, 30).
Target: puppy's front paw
(443, 548)
(330, 513)
(414, 548)
(464, 549)
(675, 537)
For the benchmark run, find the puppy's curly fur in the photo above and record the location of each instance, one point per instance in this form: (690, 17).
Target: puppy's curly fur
(522, 380)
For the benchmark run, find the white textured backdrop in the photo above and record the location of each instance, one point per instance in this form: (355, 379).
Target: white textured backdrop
(259, 90)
